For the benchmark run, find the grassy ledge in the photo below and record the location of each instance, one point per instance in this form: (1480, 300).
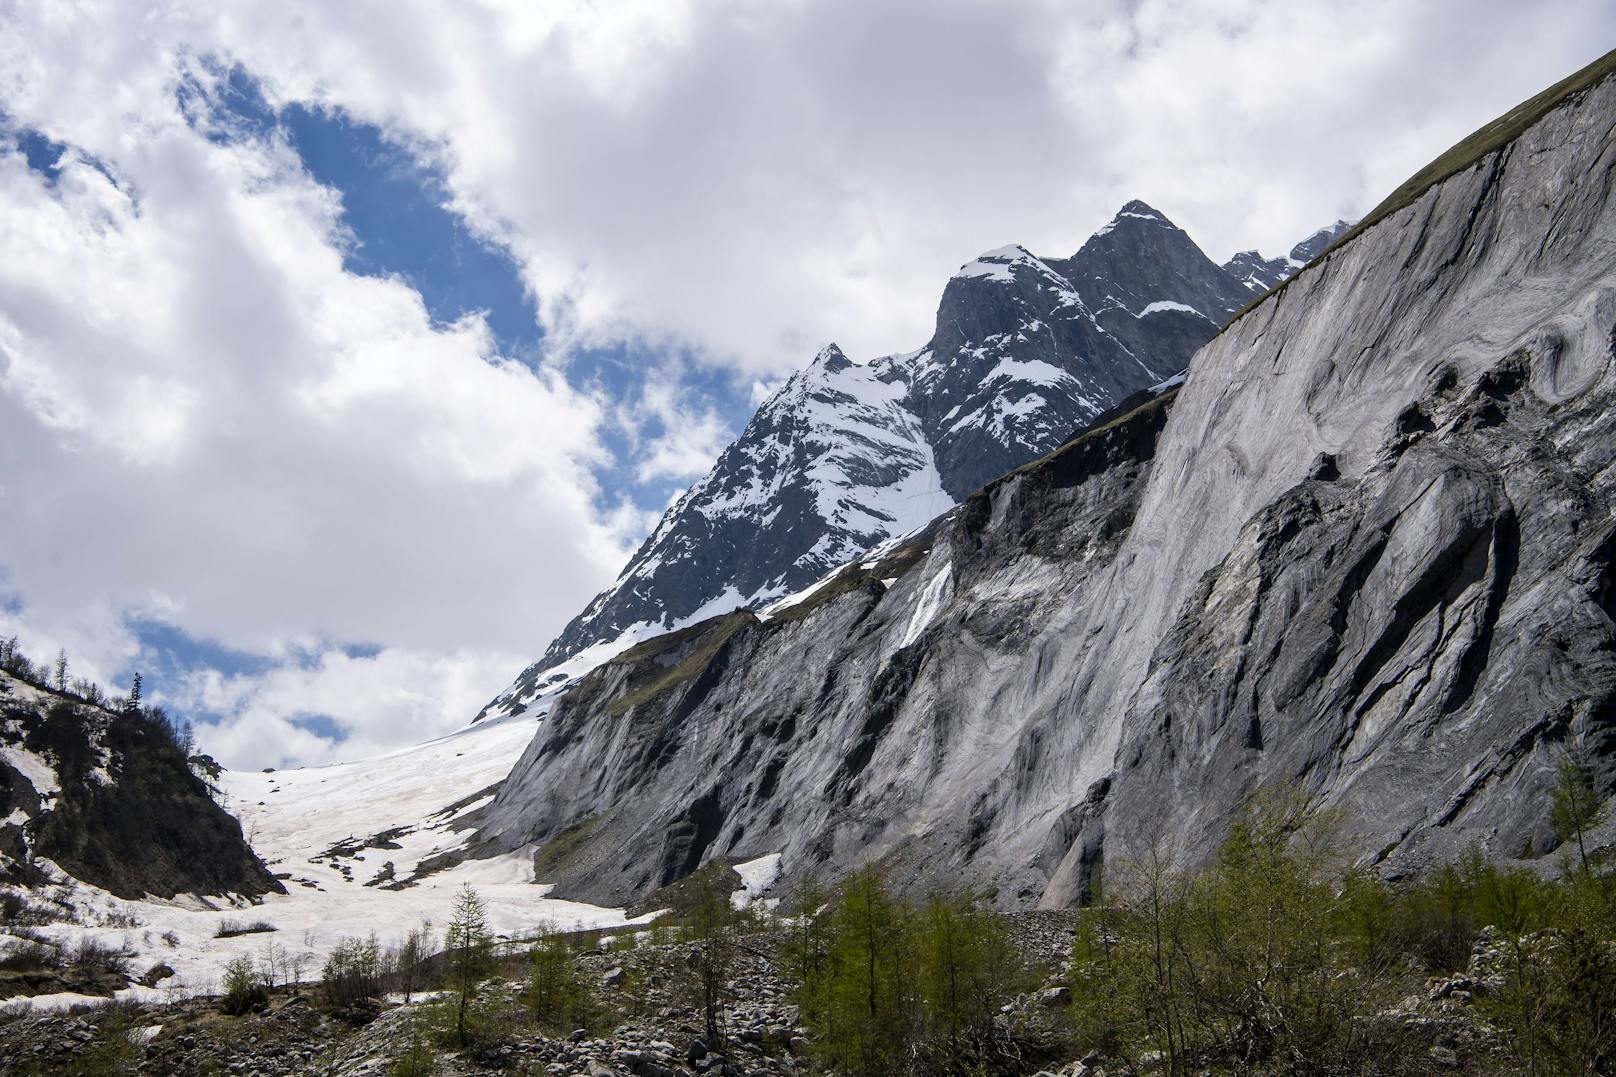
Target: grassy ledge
(1464, 154)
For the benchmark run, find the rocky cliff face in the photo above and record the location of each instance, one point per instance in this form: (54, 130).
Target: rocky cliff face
(1367, 551)
(1025, 351)
(111, 800)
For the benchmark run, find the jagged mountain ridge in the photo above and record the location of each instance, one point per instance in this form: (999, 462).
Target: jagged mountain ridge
(1025, 351)
(1366, 551)
(1259, 274)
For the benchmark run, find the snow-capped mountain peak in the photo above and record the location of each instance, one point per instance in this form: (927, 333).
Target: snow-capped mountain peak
(1026, 350)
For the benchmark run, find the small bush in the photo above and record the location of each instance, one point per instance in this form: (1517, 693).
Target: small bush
(244, 989)
(417, 1059)
(229, 929)
(32, 955)
(17, 910)
(91, 957)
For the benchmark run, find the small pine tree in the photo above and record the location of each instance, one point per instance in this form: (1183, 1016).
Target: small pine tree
(864, 1002)
(59, 672)
(1576, 808)
(468, 947)
(555, 994)
(132, 704)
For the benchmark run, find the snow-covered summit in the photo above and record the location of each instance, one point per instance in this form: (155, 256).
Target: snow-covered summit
(1025, 351)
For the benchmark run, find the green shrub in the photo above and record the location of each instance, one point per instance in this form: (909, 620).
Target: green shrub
(244, 989)
(352, 973)
(555, 995)
(1273, 959)
(887, 987)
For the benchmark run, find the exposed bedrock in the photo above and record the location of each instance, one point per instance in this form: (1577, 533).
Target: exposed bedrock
(1366, 551)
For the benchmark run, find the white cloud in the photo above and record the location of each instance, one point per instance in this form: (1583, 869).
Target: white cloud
(204, 417)
(394, 697)
(207, 420)
(752, 180)
(690, 435)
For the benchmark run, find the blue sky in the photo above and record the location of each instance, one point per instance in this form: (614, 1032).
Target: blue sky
(347, 350)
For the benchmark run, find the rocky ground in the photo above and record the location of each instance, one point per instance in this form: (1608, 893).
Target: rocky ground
(650, 1026)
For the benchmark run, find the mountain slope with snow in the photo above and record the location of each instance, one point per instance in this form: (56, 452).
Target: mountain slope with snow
(1024, 352)
(110, 796)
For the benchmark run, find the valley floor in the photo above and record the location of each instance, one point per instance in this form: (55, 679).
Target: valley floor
(652, 1027)
(335, 836)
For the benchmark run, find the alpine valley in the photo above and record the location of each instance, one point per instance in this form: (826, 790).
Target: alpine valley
(1132, 538)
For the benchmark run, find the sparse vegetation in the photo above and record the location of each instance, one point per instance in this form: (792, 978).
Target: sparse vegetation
(229, 929)
(1278, 958)
(244, 989)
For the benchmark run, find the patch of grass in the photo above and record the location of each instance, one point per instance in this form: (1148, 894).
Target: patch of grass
(1464, 154)
(682, 895)
(558, 850)
(691, 666)
(850, 577)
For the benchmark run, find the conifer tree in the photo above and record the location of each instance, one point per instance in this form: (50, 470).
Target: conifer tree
(1576, 808)
(468, 947)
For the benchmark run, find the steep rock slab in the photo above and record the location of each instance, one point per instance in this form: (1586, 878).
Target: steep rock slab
(1368, 555)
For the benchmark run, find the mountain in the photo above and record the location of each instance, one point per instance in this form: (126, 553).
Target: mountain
(844, 456)
(111, 799)
(1365, 553)
(1259, 274)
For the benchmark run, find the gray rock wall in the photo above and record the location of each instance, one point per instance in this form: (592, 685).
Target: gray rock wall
(1366, 552)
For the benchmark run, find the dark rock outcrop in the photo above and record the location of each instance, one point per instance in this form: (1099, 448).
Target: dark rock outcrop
(111, 799)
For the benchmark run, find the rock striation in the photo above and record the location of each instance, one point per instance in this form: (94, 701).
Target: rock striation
(1366, 551)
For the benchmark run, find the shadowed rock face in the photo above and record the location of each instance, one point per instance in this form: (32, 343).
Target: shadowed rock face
(1366, 551)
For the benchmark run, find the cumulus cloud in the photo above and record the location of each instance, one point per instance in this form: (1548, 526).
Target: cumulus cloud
(754, 179)
(206, 420)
